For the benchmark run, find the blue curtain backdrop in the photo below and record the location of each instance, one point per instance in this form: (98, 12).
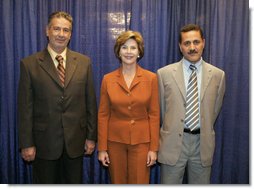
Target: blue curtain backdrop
(97, 23)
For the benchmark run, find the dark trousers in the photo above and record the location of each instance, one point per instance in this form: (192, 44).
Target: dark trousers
(64, 170)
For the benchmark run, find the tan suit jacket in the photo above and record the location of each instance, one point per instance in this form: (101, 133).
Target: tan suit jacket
(51, 116)
(172, 95)
(129, 115)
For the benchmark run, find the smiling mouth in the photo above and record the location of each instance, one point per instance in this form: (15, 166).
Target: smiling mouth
(60, 40)
(128, 57)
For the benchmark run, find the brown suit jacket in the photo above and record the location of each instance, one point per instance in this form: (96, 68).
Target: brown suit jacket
(129, 116)
(173, 94)
(51, 115)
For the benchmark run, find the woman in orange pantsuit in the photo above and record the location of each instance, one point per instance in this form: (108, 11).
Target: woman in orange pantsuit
(128, 118)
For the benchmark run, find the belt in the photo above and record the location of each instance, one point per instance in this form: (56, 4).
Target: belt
(194, 132)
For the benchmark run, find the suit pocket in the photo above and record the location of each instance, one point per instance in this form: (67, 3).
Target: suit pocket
(78, 89)
(167, 131)
(164, 132)
(39, 126)
(83, 123)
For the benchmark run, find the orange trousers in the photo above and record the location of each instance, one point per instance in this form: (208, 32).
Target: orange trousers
(128, 163)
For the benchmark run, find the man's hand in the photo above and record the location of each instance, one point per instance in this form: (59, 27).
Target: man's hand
(28, 154)
(89, 147)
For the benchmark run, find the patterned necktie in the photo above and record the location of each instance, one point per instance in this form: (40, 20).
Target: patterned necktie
(192, 104)
(60, 68)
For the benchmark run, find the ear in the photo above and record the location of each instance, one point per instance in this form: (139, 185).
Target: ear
(203, 43)
(47, 31)
(180, 47)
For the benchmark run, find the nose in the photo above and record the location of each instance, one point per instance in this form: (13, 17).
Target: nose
(61, 33)
(192, 46)
(128, 50)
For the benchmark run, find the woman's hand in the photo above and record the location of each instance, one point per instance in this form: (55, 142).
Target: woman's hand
(104, 158)
(151, 158)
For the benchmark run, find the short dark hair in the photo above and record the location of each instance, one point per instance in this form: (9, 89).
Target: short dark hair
(123, 37)
(60, 14)
(190, 27)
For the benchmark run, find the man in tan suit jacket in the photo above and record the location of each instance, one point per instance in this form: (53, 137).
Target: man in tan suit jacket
(181, 147)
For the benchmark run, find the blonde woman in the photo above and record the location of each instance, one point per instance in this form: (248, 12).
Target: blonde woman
(128, 118)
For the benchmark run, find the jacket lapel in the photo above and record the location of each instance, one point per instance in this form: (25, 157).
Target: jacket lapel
(71, 64)
(120, 80)
(206, 78)
(47, 64)
(137, 78)
(179, 78)
(135, 81)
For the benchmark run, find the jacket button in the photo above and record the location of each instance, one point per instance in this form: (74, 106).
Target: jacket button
(132, 121)
(129, 107)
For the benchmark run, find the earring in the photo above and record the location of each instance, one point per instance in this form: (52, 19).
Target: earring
(138, 56)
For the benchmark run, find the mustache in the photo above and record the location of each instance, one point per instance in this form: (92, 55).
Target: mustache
(193, 51)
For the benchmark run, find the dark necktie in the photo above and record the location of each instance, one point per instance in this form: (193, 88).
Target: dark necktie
(60, 68)
(192, 104)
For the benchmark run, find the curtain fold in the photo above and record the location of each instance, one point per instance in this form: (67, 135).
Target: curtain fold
(96, 25)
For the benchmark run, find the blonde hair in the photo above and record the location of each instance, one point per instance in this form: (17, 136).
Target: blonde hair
(123, 37)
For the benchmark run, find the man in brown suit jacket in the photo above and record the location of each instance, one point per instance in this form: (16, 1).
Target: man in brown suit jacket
(181, 146)
(57, 113)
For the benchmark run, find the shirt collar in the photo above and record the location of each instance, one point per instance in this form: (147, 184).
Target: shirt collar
(187, 64)
(53, 54)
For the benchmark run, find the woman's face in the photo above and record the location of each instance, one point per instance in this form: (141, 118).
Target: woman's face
(129, 52)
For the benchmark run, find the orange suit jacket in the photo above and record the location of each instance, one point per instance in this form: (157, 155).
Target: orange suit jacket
(129, 115)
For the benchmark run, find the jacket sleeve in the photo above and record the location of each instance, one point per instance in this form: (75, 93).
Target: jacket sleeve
(220, 94)
(103, 117)
(25, 108)
(154, 116)
(161, 96)
(91, 107)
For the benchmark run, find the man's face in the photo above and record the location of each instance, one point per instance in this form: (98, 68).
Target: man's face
(192, 45)
(59, 34)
